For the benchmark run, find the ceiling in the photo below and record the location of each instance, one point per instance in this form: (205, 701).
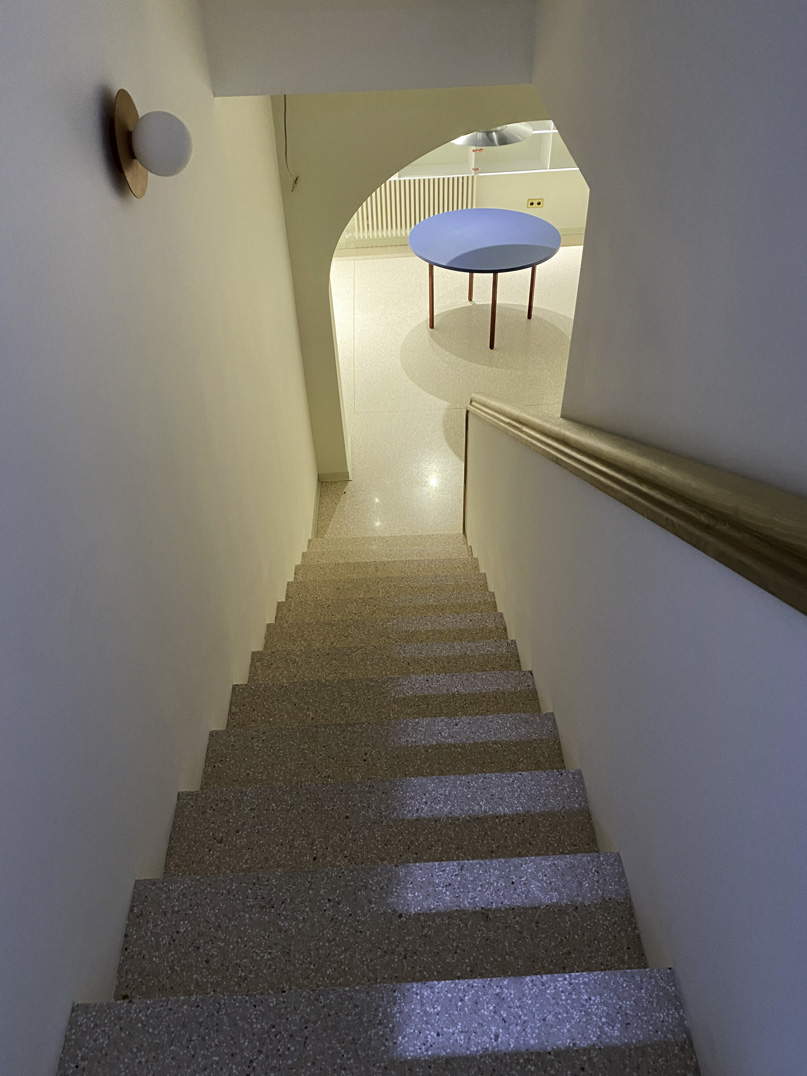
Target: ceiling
(322, 46)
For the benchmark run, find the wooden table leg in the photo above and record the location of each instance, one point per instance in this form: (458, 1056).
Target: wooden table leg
(493, 309)
(532, 291)
(470, 287)
(431, 296)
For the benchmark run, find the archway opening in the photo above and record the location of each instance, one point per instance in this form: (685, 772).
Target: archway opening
(405, 385)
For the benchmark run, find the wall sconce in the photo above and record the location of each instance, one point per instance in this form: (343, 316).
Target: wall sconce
(157, 142)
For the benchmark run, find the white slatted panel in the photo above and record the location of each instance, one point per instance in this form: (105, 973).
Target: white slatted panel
(399, 204)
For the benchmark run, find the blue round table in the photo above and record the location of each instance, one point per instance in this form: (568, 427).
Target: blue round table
(484, 241)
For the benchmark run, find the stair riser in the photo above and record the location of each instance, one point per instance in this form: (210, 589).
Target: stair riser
(409, 923)
(291, 666)
(248, 843)
(233, 764)
(312, 635)
(386, 749)
(256, 705)
(386, 569)
(380, 543)
(337, 611)
(359, 556)
(628, 1023)
(406, 586)
(453, 945)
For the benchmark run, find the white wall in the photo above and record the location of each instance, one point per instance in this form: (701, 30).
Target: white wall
(157, 476)
(679, 686)
(341, 147)
(679, 689)
(327, 46)
(687, 122)
(565, 195)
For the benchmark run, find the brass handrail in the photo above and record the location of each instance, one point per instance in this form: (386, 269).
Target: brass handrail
(757, 530)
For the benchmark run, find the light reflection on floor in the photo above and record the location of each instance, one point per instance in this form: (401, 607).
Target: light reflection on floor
(485, 1016)
(485, 728)
(479, 794)
(405, 387)
(507, 883)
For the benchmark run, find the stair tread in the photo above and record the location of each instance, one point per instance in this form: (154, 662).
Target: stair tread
(386, 556)
(608, 1023)
(388, 867)
(385, 541)
(411, 551)
(454, 627)
(437, 695)
(378, 568)
(330, 823)
(394, 659)
(414, 747)
(396, 584)
(350, 926)
(340, 609)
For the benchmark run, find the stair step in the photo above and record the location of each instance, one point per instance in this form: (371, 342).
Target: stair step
(420, 747)
(389, 587)
(603, 1023)
(387, 868)
(286, 930)
(378, 568)
(325, 702)
(294, 635)
(338, 609)
(380, 543)
(337, 824)
(401, 659)
(391, 551)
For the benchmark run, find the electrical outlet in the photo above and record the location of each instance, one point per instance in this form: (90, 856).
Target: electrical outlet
(535, 203)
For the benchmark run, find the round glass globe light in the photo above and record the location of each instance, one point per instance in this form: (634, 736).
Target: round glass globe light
(162, 143)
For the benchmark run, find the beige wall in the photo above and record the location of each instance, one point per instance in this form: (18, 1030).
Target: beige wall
(678, 688)
(565, 196)
(690, 325)
(343, 146)
(327, 46)
(157, 476)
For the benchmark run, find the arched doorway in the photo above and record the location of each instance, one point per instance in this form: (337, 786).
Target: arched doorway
(405, 386)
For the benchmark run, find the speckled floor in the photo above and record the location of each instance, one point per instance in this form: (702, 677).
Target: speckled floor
(388, 869)
(405, 387)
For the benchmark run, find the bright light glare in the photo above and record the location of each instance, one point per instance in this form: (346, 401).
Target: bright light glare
(467, 1018)
(508, 883)
(479, 794)
(426, 731)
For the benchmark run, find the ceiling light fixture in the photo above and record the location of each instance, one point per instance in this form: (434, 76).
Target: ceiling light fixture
(497, 136)
(158, 142)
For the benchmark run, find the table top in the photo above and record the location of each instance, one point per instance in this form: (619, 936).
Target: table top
(484, 240)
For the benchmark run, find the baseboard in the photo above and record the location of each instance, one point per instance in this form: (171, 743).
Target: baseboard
(384, 249)
(315, 520)
(335, 476)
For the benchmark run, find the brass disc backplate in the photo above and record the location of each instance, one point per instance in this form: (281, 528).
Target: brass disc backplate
(124, 119)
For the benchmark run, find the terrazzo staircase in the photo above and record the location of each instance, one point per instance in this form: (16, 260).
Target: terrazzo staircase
(387, 868)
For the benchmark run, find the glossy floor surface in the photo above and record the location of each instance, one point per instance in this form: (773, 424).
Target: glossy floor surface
(405, 387)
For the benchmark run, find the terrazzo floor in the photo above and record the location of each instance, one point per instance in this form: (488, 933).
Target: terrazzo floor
(405, 387)
(388, 868)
